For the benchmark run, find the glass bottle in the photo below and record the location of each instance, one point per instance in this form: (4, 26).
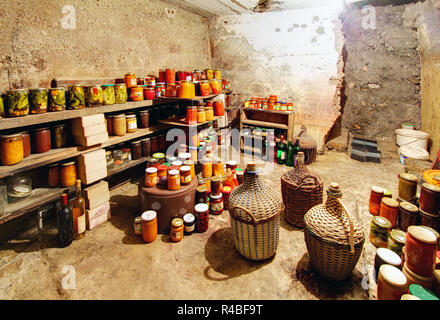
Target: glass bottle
(79, 213)
(281, 152)
(65, 223)
(296, 150)
(290, 155)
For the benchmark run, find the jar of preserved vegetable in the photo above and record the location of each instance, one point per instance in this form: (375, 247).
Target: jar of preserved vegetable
(38, 100)
(68, 174)
(131, 123)
(130, 80)
(41, 141)
(217, 74)
(126, 154)
(121, 95)
(379, 230)
(177, 229)
(60, 136)
(396, 241)
(57, 99)
(17, 103)
(119, 125)
(216, 86)
(53, 175)
(26, 143)
(145, 117)
(117, 157)
(109, 159)
(201, 115)
(209, 113)
(108, 94)
(136, 151)
(94, 96)
(11, 149)
(75, 97)
(146, 147)
(149, 93)
(137, 93)
(2, 107)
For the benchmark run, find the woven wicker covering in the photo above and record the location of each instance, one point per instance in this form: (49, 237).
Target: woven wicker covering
(334, 239)
(308, 145)
(301, 189)
(255, 217)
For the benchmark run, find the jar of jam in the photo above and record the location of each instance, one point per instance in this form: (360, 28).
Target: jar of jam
(154, 144)
(240, 176)
(131, 123)
(149, 226)
(202, 217)
(162, 143)
(140, 81)
(177, 229)
(136, 150)
(216, 203)
(396, 241)
(11, 149)
(60, 134)
(163, 175)
(420, 251)
(209, 113)
(189, 221)
(191, 165)
(232, 164)
(391, 283)
(219, 108)
(191, 115)
(162, 75)
(201, 194)
(408, 215)
(137, 226)
(407, 186)
(151, 178)
(53, 176)
(173, 180)
(68, 174)
(110, 125)
(185, 175)
(376, 195)
(119, 125)
(146, 147)
(430, 199)
(389, 209)
(379, 230)
(226, 192)
(216, 185)
(429, 220)
(386, 256)
(149, 93)
(414, 278)
(201, 115)
(170, 76)
(207, 168)
(130, 80)
(145, 118)
(26, 144)
(41, 140)
(137, 93)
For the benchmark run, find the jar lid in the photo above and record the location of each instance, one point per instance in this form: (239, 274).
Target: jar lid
(68, 163)
(149, 215)
(158, 155)
(185, 168)
(409, 207)
(399, 236)
(188, 162)
(9, 136)
(151, 170)
(120, 84)
(146, 139)
(173, 172)
(162, 168)
(59, 88)
(126, 150)
(393, 275)
(436, 234)
(215, 196)
(231, 163)
(176, 163)
(171, 159)
(429, 215)
(387, 193)
(138, 219)
(421, 292)
(226, 189)
(177, 222)
(389, 257)
(408, 176)
(17, 90)
(201, 207)
(390, 202)
(382, 222)
(431, 187)
(144, 111)
(422, 234)
(407, 296)
(53, 165)
(41, 129)
(201, 189)
(108, 153)
(377, 189)
(37, 89)
(185, 155)
(119, 115)
(130, 74)
(136, 142)
(189, 218)
(130, 116)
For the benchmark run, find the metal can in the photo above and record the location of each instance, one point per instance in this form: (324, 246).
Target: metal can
(138, 226)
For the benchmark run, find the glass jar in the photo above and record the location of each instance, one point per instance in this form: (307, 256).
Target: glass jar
(149, 93)
(162, 173)
(209, 113)
(2, 113)
(108, 94)
(137, 226)
(162, 75)
(137, 93)
(118, 157)
(11, 149)
(429, 220)
(131, 123)
(216, 86)
(396, 241)
(186, 90)
(154, 144)
(219, 108)
(176, 230)
(173, 180)
(140, 81)
(38, 100)
(26, 144)
(119, 125)
(17, 103)
(68, 174)
(109, 159)
(60, 136)
(408, 215)
(171, 90)
(185, 175)
(75, 97)
(216, 203)
(202, 217)
(136, 150)
(160, 157)
(407, 186)
(53, 175)
(376, 195)
(209, 74)
(57, 99)
(189, 221)
(379, 230)
(19, 186)
(430, 199)
(151, 178)
(170, 76)
(130, 80)
(110, 125)
(126, 154)
(389, 209)
(420, 251)
(145, 118)
(149, 226)
(207, 168)
(94, 96)
(146, 147)
(121, 95)
(201, 115)
(391, 283)
(205, 88)
(41, 141)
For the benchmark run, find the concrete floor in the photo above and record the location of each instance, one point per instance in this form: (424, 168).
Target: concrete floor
(112, 263)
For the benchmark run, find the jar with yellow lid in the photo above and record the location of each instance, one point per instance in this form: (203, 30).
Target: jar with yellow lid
(379, 230)
(177, 229)
(407, 186)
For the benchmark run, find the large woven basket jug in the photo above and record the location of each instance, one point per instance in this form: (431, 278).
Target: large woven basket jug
(301, 189)
(308, 145)
(255, 217)
(333, 237)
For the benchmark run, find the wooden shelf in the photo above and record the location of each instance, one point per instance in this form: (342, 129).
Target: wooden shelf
(131, 164)
(196, 98)
(265, 124)
(267, 111)
(181, 122)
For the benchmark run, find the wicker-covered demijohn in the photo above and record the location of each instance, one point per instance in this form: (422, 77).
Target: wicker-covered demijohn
(334, 238)
(301, 189)
(308, 145)
(255, 217)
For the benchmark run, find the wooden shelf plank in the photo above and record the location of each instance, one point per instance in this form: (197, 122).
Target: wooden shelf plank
(140, 132)
(181, 122)
(267, 111)
(196, 98)
(131, 164)
(265, 124)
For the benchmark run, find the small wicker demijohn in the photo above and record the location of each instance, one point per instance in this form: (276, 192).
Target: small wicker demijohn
(301, 189)
(308, 145)
(255, 217)
(334, 239)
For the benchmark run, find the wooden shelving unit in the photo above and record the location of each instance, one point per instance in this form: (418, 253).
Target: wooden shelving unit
(196, 98)
(181, 122)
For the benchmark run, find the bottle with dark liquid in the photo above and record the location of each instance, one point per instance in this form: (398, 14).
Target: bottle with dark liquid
(79, 213)
(65, 223)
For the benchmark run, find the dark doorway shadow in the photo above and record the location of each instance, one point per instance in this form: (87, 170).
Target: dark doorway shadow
(223, 258)
(321, 287)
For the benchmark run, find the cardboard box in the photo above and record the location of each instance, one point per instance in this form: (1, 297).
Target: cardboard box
(100, 210)
(96, 222)
(93, 173)
(89, 131)
(91, 157)
(96, 195)
(91, 140)
(88, 121)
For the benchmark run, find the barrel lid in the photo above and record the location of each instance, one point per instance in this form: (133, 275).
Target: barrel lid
(398, 236)
(148, 215)
(201, 207)
(422, 234)
(390, 202)
(408, 176)
(407, 296)
(389, 257)
(377, 189)
(382, 222)
(431, 187)
(177, 222)
(189, 218)
(421, 292)
(392, 275)
(409, 207)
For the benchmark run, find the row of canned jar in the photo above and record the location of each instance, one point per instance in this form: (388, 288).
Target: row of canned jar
(271, 103)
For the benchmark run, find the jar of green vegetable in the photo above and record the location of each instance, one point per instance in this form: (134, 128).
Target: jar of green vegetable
(38, 100)
(108, 91)
(17, 103)
(2, 107)
(120, 93)
(75, 97)
(57, 99)
(94, 96)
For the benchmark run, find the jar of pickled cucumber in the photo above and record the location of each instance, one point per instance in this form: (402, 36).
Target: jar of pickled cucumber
(17, 103)
(108, 92)
(94, 96)
(57, 99)
(38, 100)
(75, 97)
(121, 95)
(2, 108)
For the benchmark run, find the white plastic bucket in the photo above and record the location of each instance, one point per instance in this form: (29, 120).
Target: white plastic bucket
(414, 138)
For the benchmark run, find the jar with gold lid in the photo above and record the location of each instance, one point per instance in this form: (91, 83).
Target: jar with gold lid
(11, 149)
(407, 186)
(119, 125)
(430, 199)
(379, 230)
(68, 174)
(177, 229)
(396, 241)
(131, 123)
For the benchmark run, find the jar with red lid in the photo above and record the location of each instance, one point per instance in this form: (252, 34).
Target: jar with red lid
(149, 93)
(389, 209)
(430, 199)
(154, 144)
(41, 140)
(162, 172)
(420, 251)
(202, 217)
(376, 195)
(216, 203)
